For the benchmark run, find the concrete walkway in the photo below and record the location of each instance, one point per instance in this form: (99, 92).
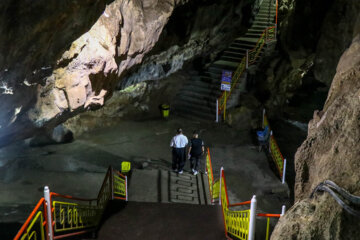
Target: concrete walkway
(78, 168)
(168, 187)
(155, 221)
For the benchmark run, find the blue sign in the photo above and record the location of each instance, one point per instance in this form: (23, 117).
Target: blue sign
(226, 80)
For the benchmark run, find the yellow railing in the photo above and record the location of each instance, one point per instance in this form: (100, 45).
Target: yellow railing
(241, 224)
(36, 225)
(236, 77)
(274, 150)
(276, 155)
(72, 216)
(238, 224)
(214, 185)
(268, 35)
(268, 216)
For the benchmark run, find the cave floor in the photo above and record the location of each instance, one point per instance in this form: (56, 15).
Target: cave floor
(78, 168)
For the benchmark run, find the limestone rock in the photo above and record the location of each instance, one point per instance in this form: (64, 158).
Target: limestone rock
(331, 151)
(60, 58)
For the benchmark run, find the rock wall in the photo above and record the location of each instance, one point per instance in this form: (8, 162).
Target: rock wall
(331, 149)
(312, 37)
(61, 58)
(194, 35)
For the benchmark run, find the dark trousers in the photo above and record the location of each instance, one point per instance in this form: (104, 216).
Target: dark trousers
(178, 160)
(194, 161)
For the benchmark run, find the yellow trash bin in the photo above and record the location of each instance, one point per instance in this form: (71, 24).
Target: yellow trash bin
(125, 167)
(165, 109)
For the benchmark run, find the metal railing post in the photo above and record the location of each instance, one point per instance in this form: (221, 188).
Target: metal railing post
(283, 209)
(220, 179)
(126, 188)
(217, 111)
(50, 235)
(247, 58)
(252, 223)
(284, 171)
(263, 118)
(271, 133)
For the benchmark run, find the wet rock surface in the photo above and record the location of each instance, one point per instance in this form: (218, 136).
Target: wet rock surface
(330, 151)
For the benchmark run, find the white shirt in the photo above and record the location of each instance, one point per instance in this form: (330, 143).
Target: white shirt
(179, 141)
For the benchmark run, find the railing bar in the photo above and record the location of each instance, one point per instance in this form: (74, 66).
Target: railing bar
(71, 197)
(24, 226)
(74, 234)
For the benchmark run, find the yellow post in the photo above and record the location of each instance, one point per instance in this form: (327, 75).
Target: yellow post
(225, 106)
(267, 228)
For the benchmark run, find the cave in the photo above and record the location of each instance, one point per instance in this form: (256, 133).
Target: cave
(180, 119)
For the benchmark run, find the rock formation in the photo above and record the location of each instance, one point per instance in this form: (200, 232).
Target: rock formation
(330, 151)
(59, 59)
(312, 37)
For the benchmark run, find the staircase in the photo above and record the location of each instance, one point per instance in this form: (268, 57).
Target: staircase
(197, 99)
(153, 221)
(163, 186)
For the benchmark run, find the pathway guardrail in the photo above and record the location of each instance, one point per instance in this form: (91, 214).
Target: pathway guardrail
(274, 150)
(214, 184)
(268, 35)
(239, 224)
(71, 216)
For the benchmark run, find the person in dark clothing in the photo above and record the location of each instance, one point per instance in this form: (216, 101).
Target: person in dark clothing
(196, 149)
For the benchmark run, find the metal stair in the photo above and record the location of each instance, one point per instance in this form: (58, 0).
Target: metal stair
(197, 99)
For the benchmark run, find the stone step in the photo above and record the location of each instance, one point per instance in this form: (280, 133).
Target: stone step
(160, 185)
(266, 11)
(188, 110)
(211, 80)
(226, 65)
(262, 23)
(200, 90)
(253, 35)
(231, 58)
(198, 99)
(257, 26)
(265, 14)
(267, 19)
(260, 31)
(202, 86)
(242, 44)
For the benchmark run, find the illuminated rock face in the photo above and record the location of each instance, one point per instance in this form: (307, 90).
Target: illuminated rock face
(52, 66)
(60, 59)
(87, 72)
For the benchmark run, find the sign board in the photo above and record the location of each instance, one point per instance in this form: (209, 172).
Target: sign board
(226, 80)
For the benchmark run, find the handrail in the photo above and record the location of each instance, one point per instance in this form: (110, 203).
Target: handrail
(239, 224)
(68, 217)
(276, 12)
(244, 63)
(28, 220)
(71, 197)
(213, 184)
(239, 204)
(268, 215)
(274, 150)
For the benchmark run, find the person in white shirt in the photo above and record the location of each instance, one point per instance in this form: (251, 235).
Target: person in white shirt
(178, 144)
